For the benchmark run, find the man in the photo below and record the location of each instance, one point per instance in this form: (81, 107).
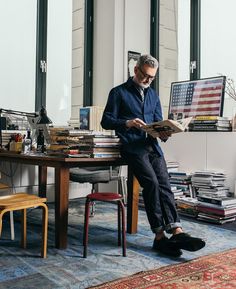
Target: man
(130, 106)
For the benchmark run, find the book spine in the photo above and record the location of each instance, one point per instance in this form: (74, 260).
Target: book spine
(210, 200)
(208, 117)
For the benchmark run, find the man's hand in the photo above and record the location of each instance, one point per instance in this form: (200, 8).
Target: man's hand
(164, 135)
(136, 122)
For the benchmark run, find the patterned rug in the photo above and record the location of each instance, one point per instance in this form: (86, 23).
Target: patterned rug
(212, 271)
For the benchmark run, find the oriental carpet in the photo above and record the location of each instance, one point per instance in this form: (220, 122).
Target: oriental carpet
(212, 271)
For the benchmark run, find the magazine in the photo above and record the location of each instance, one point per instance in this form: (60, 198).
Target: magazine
(168, 125)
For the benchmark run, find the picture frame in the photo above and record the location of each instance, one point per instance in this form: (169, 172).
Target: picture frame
(197, 97)
(132, 60)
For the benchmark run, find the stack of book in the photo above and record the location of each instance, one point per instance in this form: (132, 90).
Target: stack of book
(100, 146)
(58, 138)
(217, 210)
(210, 123)
(214, 203)
(187, 206)
(207, 180)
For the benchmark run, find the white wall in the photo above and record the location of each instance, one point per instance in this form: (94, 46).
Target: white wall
(121, 26)
(103, 58)
(137, 28)
(204, 150)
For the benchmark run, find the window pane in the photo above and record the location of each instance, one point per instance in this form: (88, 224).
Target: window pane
(174, 47)
(17, 54)
(218, 41)
(183, 39)
(59, 51)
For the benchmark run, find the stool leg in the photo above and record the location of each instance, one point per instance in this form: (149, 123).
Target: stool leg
(86, 225)
(44, 230)
(23, 228)
(119, 223)
(123, 228)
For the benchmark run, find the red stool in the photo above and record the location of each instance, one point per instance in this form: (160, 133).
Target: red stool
(105, 197)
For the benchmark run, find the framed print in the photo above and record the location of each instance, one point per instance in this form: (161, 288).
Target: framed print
(197, 97)
(132, 60)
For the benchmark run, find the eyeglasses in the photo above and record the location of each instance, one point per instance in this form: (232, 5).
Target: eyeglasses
(146, 76)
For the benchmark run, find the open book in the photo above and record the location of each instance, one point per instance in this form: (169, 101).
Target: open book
(168, 125)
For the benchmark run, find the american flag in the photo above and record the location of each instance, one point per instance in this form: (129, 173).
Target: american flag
(198, 97)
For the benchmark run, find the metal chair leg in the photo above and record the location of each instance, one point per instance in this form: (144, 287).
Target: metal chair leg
(123, 228)
(86, 226)
(119, 222)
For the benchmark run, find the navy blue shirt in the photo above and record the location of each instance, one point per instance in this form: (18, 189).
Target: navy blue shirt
(125, 103)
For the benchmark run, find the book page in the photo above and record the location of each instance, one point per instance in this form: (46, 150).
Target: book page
(168, 125)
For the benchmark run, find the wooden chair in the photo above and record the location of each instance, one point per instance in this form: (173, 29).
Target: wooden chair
(22, 201)
(4, 187)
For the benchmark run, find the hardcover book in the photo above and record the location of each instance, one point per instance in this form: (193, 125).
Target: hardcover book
(168, 125)
(218, 201)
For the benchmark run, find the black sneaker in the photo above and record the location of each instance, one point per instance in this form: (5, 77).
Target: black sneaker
(186, 242)
(164, 246)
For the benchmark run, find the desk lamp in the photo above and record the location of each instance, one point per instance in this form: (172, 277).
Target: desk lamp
(43, 118)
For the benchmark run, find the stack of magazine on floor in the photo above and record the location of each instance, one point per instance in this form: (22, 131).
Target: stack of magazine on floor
(210, 123)
(214, 203)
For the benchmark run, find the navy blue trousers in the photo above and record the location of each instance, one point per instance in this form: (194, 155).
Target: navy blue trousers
(150, 170)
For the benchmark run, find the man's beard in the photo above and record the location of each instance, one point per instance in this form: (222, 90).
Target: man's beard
(144, 85)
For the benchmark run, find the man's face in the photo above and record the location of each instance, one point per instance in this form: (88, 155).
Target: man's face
(144, 75)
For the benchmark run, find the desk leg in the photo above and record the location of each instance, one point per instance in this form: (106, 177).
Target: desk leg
(61, 206)
(132, 203)
(42, 179)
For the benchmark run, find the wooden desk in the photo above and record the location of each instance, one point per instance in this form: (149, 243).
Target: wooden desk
(62, 166)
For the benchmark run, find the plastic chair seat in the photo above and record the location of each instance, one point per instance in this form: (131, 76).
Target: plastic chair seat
(90, 176)
(22, 201)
